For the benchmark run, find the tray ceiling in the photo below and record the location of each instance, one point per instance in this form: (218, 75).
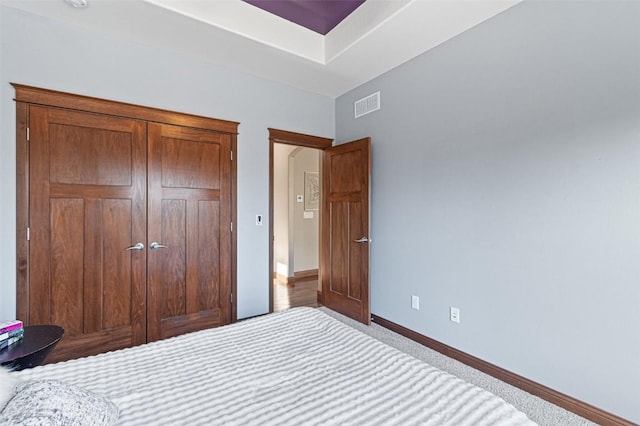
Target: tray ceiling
(376, 37)
(320, 16)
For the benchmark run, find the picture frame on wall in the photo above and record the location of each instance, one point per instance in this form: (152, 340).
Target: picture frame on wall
(311, 190)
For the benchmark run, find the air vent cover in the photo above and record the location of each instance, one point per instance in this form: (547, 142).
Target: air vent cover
(366, 105)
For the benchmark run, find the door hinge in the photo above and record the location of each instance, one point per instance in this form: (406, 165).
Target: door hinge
(28, 136)
(231, 298)
(231, 155)
(28, 234)
(231, 226)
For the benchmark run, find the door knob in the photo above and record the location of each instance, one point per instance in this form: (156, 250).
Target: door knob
(154, 245)
(362, 240)
(137, 247)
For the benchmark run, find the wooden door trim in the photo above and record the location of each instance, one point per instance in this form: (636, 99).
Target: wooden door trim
(22, 212)
(289, 138)
(299, 139)
(46, 97)
(234, 233)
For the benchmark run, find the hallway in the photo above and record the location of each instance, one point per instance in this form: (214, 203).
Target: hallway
(300, 293)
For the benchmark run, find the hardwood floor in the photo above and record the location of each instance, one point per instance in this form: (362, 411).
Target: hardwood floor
(300, 293)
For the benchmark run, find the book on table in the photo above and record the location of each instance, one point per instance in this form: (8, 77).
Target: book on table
(7, 326)
(10, 333)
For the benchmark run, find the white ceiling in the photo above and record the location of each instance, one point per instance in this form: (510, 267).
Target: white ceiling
(378, 36)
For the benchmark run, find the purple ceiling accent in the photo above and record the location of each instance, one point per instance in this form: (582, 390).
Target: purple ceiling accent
(317, 15)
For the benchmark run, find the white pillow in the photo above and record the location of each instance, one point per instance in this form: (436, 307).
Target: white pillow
(8, 383)
(54, 403)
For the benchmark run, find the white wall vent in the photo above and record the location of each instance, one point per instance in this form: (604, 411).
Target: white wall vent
(368, 104)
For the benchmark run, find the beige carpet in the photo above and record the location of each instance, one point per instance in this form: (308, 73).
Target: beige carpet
(538, 410)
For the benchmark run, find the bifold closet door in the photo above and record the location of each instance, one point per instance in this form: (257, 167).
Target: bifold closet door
(189, 230)
(87, 205)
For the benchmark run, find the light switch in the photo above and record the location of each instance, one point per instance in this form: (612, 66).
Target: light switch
(307, 215)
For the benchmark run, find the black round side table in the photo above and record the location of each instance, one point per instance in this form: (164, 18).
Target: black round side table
(34, 347)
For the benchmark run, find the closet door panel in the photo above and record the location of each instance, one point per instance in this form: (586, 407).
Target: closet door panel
(87, 206)
(206, 215)
(66, 264)
(187, 164)
(117, 266)
(189, 283)
(171, 263)
(105, 160)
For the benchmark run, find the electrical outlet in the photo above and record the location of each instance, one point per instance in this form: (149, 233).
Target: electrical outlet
(454, 314)
(415, 302)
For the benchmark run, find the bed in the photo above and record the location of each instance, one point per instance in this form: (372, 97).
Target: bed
(298, 367)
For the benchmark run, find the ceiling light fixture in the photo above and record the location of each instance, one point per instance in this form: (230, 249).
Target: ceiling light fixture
(78, 4)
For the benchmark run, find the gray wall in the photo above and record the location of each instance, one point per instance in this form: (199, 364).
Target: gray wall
(40, 52)
(305, 231)
(295, 238)
(281, 207)
(506, 182)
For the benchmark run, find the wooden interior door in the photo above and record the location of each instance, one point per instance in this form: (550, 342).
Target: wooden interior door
(87, 179)
(345, 229)
(189, 191)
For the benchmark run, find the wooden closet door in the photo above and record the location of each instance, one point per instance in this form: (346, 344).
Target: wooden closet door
(189, 191)
(86, 207)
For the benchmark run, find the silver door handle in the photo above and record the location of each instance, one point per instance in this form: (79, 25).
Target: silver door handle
(154, 245)
(362, 240)
(137, 247)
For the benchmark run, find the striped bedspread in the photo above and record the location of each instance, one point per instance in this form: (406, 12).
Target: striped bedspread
(298, 367)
